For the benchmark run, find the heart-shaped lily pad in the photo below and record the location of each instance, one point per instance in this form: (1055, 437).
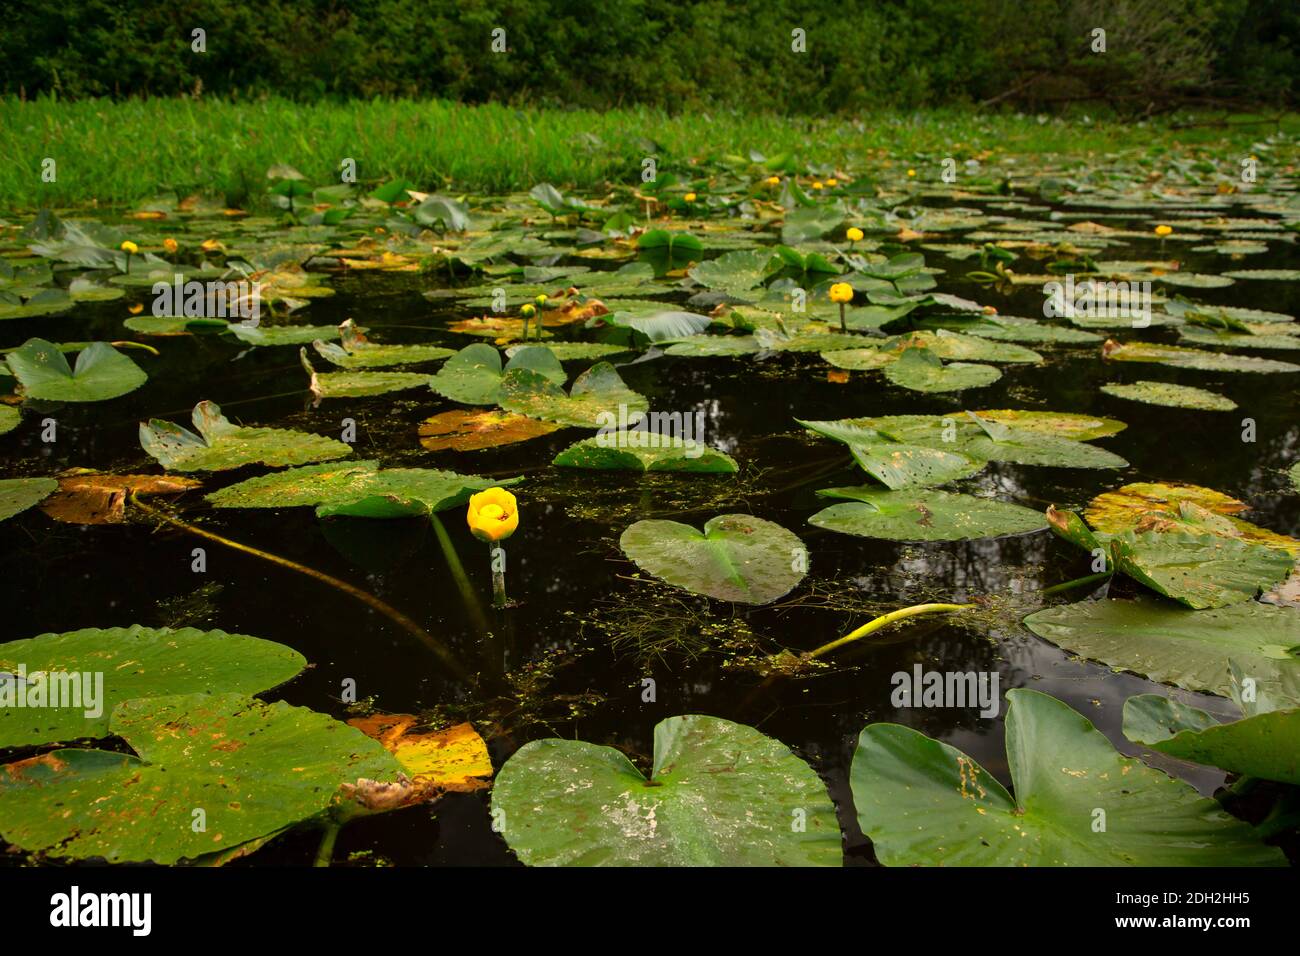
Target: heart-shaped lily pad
(132, 662)
(252, 768)
(645, 451)
(473, 375)
(1173, 396)
(719, 794)
(923, 515)
(1172, 644)
(356, 351)
(1078, 802)
(736, 558)
(220, 446)
(101, 372)
(922, 371)
(897, 465)
(1201, 571)
(594, 401)
(357, 489)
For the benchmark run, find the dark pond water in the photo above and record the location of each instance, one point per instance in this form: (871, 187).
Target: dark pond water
(550, 668)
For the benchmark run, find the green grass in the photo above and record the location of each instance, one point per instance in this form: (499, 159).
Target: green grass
(121, 152)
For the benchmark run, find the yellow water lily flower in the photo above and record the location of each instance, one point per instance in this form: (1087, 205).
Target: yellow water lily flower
(528, 312)
(773, 180)
(170, 244)
(855, 234)
(540, 300)
(1163, 230)
(816, 185)
(689, 197)
(832, 182)
(493, 515)
(130, 247)
(911, 172)
(841, 292)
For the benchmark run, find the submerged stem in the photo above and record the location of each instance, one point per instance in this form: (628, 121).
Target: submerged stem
(329, 835)
(498, 579)
(1077, 582)
(467, 593)
(390, 612)
(883, 621)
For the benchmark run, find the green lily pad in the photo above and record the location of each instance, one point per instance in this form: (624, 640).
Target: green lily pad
(1271, 275)
(133, 662)
(1201, 571)
(1264, 745)
(356, 351)
(1179, 357)
(896, 465)
(923, 515)
(9, 418)
(1171, 644)
(921, 371)
(19, 494)
(251, 767)
(953, 346)
(593, 401)
(102, 372)
(987, 440)
(271, 335)
(923, 802)
(220, 446)
(358, 384)
(473, 376)
(736, 558)
(1057, 424)
(734, 272)
(643, 451)
(1174, 396)
(358, 489)
(699, 346)
(719, 794)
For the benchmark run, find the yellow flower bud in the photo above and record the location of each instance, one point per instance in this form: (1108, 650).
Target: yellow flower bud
(540, 300)
(689, 197)
(841, 292)
(832, 182)
(854, 234)
(130, 247)
(1163, 230)
(817, 185)
(911, 172)
(528, 312)
(493, 515)
(773, 180)
(170, 244)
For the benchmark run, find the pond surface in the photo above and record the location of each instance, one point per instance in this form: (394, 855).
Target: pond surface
(571, 657)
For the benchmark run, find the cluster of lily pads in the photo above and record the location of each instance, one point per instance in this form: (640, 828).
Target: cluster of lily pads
(733, 261)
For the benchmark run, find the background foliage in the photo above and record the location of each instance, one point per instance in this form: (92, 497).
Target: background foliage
(668, 54)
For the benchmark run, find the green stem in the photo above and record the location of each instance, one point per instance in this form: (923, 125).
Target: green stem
(883, 621)
(467, 593)
(498, 579)
(1077, 582)
(329, 835)
(397, 617)
(843, 326)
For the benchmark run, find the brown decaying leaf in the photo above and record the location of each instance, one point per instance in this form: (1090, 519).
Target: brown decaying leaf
(101, 499)
(455, 759)
(465, 430)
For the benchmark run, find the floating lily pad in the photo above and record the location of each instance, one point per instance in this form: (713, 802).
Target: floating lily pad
(736, 558)
(253, 768)
(635, 450)
(1180, 357)
(923, 802)
(473, 376)
(923, 515)
(1171, 644)
(19, 494)
(921, 371)
(466, 430)
(356, 351)
(593, 401)
(719, 794)
(1174, 396)
(896, 465)
(132, 662)
(9, 419)
(220, 446)
(101, 372)
(92, 498)
(1201, 571)
(1264, 744)
(1058, 424)
(358, 489)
